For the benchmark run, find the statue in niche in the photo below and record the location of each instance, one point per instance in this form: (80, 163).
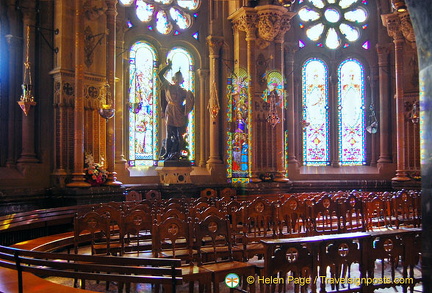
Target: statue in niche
(177, 103)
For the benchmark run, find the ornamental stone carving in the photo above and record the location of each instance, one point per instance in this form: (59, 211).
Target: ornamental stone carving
(407, 28)
(392, 23)
(269, 24)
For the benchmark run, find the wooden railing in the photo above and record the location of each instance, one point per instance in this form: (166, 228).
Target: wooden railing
(124, 271)
(347, 262)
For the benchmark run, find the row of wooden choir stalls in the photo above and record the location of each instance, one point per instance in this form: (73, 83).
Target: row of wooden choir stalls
(345, 241)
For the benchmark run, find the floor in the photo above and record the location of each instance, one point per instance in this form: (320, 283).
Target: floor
(223, 288)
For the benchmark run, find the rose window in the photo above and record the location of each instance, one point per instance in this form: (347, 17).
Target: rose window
(333, 23)
(166, 16)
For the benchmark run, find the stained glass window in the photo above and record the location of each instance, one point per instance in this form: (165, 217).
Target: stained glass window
(166, 16)
(333, 23)
(315, 113)
(238, 133)
(143, 105)
(182, 61)
(351, 113)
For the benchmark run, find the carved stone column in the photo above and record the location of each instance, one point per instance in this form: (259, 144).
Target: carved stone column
(215, 44)
(244, 20)
(290, 122)
(78, 179)
(28, 154)
(204, 138)
(120, 116)
(384, 134)
(392, 22)
(111, 14)
(281, 164)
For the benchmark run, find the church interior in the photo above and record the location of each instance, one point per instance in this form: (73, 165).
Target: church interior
(284, 139)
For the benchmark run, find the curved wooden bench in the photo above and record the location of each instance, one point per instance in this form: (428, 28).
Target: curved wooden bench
(32, 283)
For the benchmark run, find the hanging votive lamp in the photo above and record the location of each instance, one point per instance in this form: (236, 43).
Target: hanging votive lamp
(27, 100)
(107, 111)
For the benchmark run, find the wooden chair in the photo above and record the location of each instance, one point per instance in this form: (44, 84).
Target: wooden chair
(172, 238)
(259, 222)
(376, 213)
(213, 244)
(133, 196)
(94, 228)
(209, 193)
(153, 195)
(292, 218)
(351, 214)
(325, 217)
(135, 232)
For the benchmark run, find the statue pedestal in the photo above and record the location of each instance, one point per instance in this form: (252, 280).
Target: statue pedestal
(174, 172)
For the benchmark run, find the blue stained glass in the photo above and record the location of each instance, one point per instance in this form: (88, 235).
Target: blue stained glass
(301, 44)
(366, 45)
(238, 134)
(196, 35)
(315, 113)
(143, 103)
(351, 113)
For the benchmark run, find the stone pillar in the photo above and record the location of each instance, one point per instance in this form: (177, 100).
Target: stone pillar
(420, 13)
(120, 116)
(111, 14)
(290, 122)
(384, 105)
(13, 46)
(215, 44)
(78, 179)
(392, 22)
(244, 20)
(28, 154)
(203, 76)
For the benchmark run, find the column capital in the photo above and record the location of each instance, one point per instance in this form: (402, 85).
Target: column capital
(215, 43)
(392, 23)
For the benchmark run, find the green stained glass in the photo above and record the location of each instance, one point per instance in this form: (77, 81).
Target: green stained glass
(315, 113)
(239, 132)
(143, 104)
(351, 113)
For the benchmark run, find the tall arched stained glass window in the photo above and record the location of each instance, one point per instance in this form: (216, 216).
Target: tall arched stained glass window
(238, 134)
(143, 101)
(315, 113)
(182, 61)
(351, 120)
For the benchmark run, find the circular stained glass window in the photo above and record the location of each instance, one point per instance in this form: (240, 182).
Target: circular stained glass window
(333, 23)
(167, 16)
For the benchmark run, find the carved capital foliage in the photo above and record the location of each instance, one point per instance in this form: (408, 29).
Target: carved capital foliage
(269, 25)
(247, 23)
(407, 28)
(392, 23)
(215, 43)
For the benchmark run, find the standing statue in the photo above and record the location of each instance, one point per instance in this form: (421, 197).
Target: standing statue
(176, 106)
